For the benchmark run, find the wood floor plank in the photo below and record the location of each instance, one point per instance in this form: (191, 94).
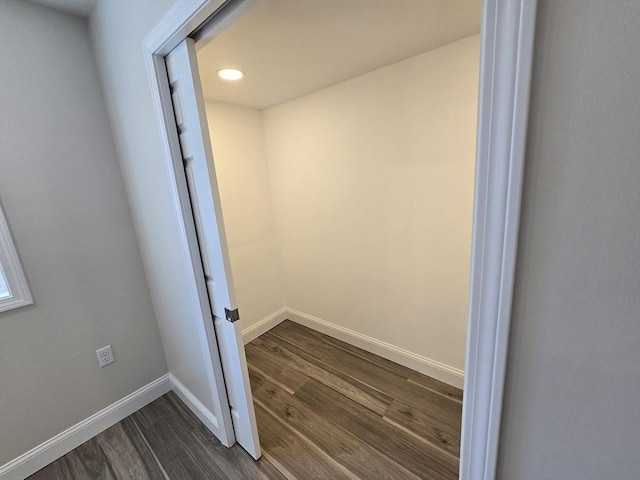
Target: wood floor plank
(431, 404)
(178, 452)
(436, 385)
(300, 459)
(415, 455)
(270, 469)
(299, 338)
(276, 371)
(303, 363)
(286, 351)
(47, 473)
(236, 463)
(88, 462)
(53, 471)
(63, 469)
(425, 424)
(395, 368)
(357, 457)
(377, 378)
(421, 410)
(122, 456)
(128, 452)
(166, 407)
(256, 378)
(306, 338)
(427, 404)
(187, 449)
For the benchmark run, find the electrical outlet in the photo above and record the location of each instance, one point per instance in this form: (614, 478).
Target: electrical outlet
(105, 356)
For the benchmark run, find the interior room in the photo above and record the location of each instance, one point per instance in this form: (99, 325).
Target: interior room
(349, 311)
(346, 179)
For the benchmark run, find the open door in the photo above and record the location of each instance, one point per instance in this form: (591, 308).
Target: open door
(191, 120)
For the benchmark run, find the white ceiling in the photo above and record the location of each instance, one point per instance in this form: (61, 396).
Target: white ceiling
(76, 7)
(289, 48)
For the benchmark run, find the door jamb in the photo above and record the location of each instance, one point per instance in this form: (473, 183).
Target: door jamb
(506, 54)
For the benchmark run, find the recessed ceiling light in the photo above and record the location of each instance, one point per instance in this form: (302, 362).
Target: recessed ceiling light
(230, 74)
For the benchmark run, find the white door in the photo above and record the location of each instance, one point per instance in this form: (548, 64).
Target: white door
(188, 104)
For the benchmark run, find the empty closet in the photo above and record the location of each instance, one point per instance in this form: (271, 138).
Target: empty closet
(348, 208)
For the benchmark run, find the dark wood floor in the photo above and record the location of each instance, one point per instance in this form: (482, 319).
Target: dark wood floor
(325, 409)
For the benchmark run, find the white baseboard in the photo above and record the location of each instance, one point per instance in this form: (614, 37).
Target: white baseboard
(195, 405)
(440, 371)
(264, 325)
(432, 368)
(54, 448)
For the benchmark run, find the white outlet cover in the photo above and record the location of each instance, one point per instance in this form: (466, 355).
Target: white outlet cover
(105, 356)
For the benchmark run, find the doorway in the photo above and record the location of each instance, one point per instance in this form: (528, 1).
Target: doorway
(506, 18)
(344, 162)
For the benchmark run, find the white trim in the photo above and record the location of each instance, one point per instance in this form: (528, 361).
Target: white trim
(19, 293)
(180, 21)
(505, 73)
(440, 371)
(61, 444)
(211, 29)
(195, 405)
(264, 325)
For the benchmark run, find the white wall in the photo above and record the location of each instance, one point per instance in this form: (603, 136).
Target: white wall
(573, 375)
(372, 183)
(66, 205)
(243, 179)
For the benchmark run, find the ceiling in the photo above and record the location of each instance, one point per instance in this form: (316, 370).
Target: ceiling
(289, 48)
(76, 7)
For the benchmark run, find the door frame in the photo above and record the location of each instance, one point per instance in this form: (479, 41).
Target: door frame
(506, 52)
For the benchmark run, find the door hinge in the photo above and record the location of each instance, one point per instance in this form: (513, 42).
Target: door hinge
(232, 315)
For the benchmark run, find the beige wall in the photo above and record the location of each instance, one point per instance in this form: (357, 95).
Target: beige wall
(372, 183)
(573, 376)
(245, 193)
(66, 205)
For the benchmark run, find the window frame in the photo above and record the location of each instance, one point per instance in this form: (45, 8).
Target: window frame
(20, 295)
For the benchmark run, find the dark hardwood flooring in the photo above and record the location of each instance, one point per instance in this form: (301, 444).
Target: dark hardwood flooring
(355, 413)
(325, 410)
